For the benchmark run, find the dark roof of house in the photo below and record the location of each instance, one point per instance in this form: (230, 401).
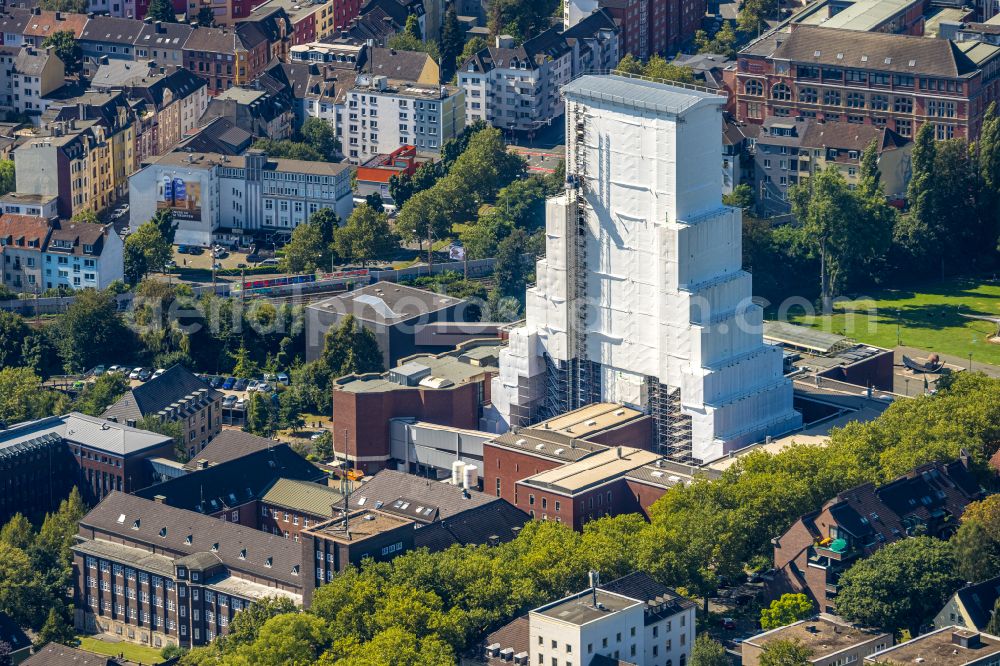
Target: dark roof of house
(156, 395)
(244, 37)
(234, 482)
(444, 499)
(179, 81)
(549, 44)
(172, 529)
(12, 633)
(979, 600)
(14, 20)
(219, 135)
(164, 35)
(875, 515)
(397, 10)
(269, 21)
(31, 61)
(55, 654)
(515, 635)
(401, 65)
(591, 25)
(497, 521)
(902, 54)
(78, 234)
(838, 134)
(111, 30)
(230, 445)
(640, 586)
(388, 304)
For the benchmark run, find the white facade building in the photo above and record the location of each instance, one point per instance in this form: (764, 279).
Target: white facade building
(641, 298)
(622, 624)
(384, 114)
(221, 198)
(575, 11)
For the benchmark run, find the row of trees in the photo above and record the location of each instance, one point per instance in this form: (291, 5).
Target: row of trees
(853, 240)
(323, 241)
(314, 141)
(36, 568)
(427, 608)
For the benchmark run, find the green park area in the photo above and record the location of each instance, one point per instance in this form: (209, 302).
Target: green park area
(139, 654)
(928, 317)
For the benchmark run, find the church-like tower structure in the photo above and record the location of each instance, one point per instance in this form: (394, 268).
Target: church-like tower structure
(641, 298)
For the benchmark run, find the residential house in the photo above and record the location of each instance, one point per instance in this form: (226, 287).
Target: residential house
(22, 240)
(42, 24)
(226, 57)
(219, 136)
(263, 114)
(36, 74)
(8, 56)
(162, 43)
(384, 114)
(316, 91)
(83, 255)
(226, 198)
(971, 607)
(108, 38)
(889, 81)
(34, 205)
(831, 641)
(175, 396)
(812, 554)
(12, 24)
(56, 654)
(380, 19)
(43, 459)
(596, 43)
(517, 87)
(373, 176)
(312, 21)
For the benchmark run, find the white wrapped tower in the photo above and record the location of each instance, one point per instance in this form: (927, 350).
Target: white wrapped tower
(641, 298)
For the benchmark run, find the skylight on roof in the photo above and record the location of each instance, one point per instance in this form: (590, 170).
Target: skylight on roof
(121, 518)
(888, 61)
(864, 58)
(817, 53)
(913, 63)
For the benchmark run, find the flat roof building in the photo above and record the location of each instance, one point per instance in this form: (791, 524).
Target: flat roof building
(949, 646)
(831, 640)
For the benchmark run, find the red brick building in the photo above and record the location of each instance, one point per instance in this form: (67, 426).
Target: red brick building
(227, 57)
(446, 389)
(650, 27)
(885, 80)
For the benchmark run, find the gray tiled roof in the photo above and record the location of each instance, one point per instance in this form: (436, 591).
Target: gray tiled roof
(158, 394)
(230, 445)
(387, 486)
(90, 431)
(137, 519)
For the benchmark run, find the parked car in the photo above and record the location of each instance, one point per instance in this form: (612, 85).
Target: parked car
(253, 258)
(240, 404)
(159, 371)
(220, 253)
(252, 385)
(241, 384)
(98, 371)
(216, 382)
(271, 262)
(316, 435)
(269, 377)
(284, 379)
(115, 369)
(264, 387)
(728, 623)
(229, 401)
(229, 383)
(145, 375)
(182, 249)
(194, 249)
(135, 373)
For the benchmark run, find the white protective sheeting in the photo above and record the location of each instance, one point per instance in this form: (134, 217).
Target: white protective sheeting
(665, 291)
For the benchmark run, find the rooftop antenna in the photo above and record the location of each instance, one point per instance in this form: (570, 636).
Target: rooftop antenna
(595, 580)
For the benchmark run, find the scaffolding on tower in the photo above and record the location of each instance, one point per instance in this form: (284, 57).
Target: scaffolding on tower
(671, 426)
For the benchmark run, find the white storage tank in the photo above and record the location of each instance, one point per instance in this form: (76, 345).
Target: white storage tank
(457, 469)
(470, 477)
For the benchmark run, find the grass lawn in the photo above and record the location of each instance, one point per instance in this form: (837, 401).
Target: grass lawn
(927, 317)
(137, 653)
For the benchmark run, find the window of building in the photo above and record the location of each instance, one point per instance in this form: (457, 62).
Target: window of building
(753, 87)
(808, 95)
(856, 100)
(831, 97)
(781, 91)
(902, 105)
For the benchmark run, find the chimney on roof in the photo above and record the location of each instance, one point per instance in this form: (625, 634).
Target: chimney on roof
(158, 26)
(59, 16)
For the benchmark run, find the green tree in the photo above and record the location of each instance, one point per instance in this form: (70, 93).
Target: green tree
(994, 624)
(87, 216)
(67, 49)
(351, 349)
(73, 6)
(18, 532)
(398, 647)
(246, 625)
(205, 17)
(451, 44)
(754, 14)
(976, 545)
(57, 629)
(708, 652)
(155, 249)
(172, 429)
(521, 20)
(512, 267)
(13, 332)
(163, 218)
(21, 395)
(412, 27)
(22, 595)
(101, 394)
(291, 150)
(790, 608)
(724, 42)
(366, 236)
(161, 10)
(245, 366)
(988, 164)
(305, 252)
(8, 179)
(471, 48)
(135, 265)
(741, 197)
(900, 586)
(656, 68)
(320, 135)
(260, 415)
(403, 41)
(90, 328)
(785, 653)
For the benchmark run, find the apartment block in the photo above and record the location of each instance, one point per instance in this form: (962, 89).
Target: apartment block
(383, 114)
(517, 87)
(886, 80)
(45, 253)
(312, 21)
(648, 27)
(227, 57)
(35, 74)
(832, 641)
(176, 396)
(949, 646)
(215, 197)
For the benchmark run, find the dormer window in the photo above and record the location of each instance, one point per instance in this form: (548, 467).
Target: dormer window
(163, 532)
(135, 525)
(89, 249)
(188, 539)
(243, 554)
(267, 563)
(215, 547)
(295, 570)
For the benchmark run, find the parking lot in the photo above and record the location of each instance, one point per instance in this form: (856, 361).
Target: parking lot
(235, 390)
